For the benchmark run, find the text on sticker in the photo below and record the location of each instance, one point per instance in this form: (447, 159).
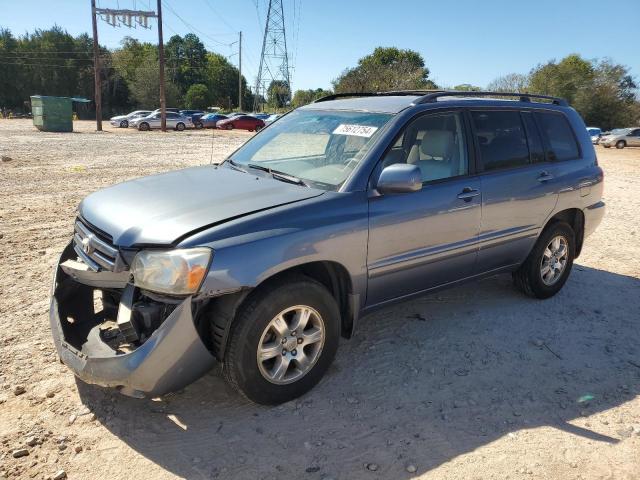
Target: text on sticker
(355, 130)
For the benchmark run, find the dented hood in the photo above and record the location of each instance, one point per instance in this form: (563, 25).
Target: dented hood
(160, 209)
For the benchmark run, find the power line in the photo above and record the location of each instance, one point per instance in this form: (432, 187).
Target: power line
(191, 27)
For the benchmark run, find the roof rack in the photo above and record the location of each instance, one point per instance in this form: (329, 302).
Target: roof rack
(524, 97)
(334, 96)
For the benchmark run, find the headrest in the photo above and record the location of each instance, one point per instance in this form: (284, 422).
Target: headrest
(437, 143)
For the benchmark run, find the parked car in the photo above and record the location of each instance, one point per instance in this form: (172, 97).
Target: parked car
(271, 118)
(122, 121)
(621, 137)
(174, 120)
(174, 110)
(210, 120)
(341, 207)
(195, 116)
(242, 122)
(595, 133)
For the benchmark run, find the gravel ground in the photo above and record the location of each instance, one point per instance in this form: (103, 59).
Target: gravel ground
(477, 382)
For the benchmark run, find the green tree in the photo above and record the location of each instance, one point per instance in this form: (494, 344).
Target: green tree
(303, 97)
(278, 94)
(467, 87)
(386, 69)
(512, 82)
(145, 88)
(221, 78)
(198, 97)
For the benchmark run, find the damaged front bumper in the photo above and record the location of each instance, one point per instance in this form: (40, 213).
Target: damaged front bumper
(170, 357)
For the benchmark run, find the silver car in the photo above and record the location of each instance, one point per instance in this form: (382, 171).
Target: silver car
(621, 137)
(174, 120)
(123, 121)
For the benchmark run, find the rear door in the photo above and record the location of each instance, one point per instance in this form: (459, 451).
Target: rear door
(427, 238)
(518, 183)
(633, 139)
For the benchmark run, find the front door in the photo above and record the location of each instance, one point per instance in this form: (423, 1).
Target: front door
(423, 239)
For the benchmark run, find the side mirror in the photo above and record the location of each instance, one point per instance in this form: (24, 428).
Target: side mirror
(400, 178)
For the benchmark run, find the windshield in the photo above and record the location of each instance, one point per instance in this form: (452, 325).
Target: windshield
(619, 131)
(320, 147)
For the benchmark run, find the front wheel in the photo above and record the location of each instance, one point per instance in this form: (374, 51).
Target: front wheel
(282, 341)
(180, 126)
(229, 126)
(621, 144)
(124, 124)
(547, 267)
(199, 125)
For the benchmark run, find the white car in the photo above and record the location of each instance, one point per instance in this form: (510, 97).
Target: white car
(595, 133)
(174, 120)
(123, 121)
(621, 137)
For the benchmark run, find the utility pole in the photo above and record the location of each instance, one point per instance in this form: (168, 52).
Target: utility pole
(240, 73)
(96, 68)
(163, 112)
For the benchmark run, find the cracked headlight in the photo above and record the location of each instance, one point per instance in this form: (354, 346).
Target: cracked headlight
(176, 272)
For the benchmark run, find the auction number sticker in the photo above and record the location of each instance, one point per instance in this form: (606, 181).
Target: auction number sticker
(355, 130)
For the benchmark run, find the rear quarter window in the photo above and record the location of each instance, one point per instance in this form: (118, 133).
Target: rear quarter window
(562, 143)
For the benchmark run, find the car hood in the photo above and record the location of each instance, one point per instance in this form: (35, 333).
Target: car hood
(119, 117)
(162, 209)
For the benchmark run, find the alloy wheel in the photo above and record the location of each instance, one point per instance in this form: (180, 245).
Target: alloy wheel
(554, 260)
(291, 344)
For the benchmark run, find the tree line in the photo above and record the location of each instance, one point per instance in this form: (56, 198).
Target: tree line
(53, 62)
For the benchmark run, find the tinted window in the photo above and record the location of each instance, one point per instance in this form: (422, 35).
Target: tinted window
(536, 150)
(562, 143)
(501, 138)
(435, 143)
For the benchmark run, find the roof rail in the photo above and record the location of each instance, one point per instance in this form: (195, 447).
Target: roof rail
(524, 97)
(335, 96)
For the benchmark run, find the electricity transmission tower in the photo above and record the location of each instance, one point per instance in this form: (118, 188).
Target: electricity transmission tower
(274, 60)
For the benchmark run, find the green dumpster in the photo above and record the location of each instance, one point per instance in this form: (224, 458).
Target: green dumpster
(53, 114)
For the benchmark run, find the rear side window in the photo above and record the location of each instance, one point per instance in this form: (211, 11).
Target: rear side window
(562, 144)
(501, 138)
(536, 149)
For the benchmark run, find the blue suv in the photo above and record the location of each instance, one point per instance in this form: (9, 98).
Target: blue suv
(340, 207)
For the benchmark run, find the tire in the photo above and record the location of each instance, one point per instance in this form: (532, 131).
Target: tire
(180, 126)
(529, 277)
(621, 144)
(124, 124)
(251, 329)
(144, 126)
(606, 146)
(258, 128)
(229, 126)
(199, 125)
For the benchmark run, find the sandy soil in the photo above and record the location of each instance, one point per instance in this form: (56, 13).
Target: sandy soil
(477, 382)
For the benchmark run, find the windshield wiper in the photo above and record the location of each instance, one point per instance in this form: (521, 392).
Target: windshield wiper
(285, 177)
(235, 166)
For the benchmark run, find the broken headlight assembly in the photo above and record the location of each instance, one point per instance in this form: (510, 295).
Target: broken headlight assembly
(172, 272)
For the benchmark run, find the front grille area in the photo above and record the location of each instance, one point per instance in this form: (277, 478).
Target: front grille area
(95, 250)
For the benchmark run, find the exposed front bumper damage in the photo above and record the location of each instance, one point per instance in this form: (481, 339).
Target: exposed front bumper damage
(170, 357)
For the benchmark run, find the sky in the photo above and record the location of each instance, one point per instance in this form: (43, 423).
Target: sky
(462, 41)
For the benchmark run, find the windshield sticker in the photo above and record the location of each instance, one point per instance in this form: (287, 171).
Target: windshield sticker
(355, 130)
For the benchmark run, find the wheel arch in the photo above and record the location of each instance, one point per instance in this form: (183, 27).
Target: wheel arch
(221, 311)
(575, 218)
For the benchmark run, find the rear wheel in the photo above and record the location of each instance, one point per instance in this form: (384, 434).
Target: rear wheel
(547, 267)
(282, 341)
(124, 124)
(144, 126)
(258, 128)
(621, 144)
(180, 126)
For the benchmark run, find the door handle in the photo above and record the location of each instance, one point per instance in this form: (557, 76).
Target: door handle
(468, 193)
(545, 177)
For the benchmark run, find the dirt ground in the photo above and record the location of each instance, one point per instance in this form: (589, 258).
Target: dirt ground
(477, 382)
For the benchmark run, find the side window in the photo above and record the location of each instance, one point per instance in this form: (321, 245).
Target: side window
(435, 143)
(561, 142)
(501, 139)
(536, 150)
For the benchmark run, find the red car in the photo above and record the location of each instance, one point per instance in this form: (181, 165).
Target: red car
(243, 122)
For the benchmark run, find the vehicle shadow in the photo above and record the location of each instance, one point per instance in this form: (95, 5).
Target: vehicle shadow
(419, 384)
